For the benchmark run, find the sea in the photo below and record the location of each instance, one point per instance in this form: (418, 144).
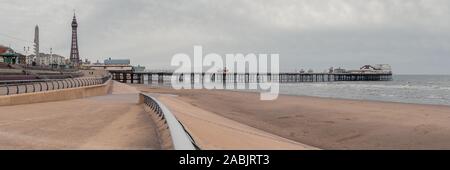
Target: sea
(417, 89)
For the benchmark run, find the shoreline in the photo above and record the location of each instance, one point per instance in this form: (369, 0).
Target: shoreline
(294, 95)
(329, 123)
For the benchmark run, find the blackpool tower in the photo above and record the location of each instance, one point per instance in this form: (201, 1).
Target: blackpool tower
(74, 55)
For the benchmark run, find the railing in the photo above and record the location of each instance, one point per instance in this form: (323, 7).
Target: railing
(181, 139)
(11, 87)
(47, 68)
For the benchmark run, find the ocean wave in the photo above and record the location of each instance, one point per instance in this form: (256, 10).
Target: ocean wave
(418, 89)
(370, 86)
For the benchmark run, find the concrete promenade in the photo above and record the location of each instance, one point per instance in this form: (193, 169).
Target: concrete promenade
(118, 121)
(113, 121)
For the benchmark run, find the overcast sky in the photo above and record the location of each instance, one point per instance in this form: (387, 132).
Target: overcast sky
(411, 35)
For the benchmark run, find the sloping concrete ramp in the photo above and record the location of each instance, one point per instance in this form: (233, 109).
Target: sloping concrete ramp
(212, 131)
(113, 121)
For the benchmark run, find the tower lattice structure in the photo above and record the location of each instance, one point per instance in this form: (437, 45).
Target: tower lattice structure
(74, 54)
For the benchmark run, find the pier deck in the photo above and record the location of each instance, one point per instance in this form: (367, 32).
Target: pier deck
(161, 77)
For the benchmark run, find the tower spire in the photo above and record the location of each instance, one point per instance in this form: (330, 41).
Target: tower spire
(36, 45)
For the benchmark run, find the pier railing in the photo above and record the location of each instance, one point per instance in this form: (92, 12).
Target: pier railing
(180, 137)
(11, 87)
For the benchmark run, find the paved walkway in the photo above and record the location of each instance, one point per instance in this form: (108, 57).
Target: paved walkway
(113, 121)
(212, 131)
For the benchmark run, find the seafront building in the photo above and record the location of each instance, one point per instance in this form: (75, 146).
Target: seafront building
(9, 56)
(40, 59)
(139, 68)
(377, 68)
(111, 65)
(366, 69)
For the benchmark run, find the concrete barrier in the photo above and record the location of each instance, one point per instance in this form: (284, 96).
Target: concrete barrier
(56, 95)
(171, 132)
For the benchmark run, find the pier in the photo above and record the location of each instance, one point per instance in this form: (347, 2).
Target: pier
(162, 77)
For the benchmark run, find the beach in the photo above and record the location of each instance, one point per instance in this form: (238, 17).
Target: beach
(328, 123)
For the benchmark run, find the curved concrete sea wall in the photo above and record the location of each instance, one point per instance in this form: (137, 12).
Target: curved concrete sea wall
(171, 132)
(56, 95)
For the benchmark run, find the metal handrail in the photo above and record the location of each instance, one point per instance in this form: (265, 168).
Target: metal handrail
(14, 86)
(181, 138)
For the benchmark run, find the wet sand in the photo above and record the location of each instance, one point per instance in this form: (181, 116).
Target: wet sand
(329, 123)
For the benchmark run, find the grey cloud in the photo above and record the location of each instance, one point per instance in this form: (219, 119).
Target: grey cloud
(412, 35)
